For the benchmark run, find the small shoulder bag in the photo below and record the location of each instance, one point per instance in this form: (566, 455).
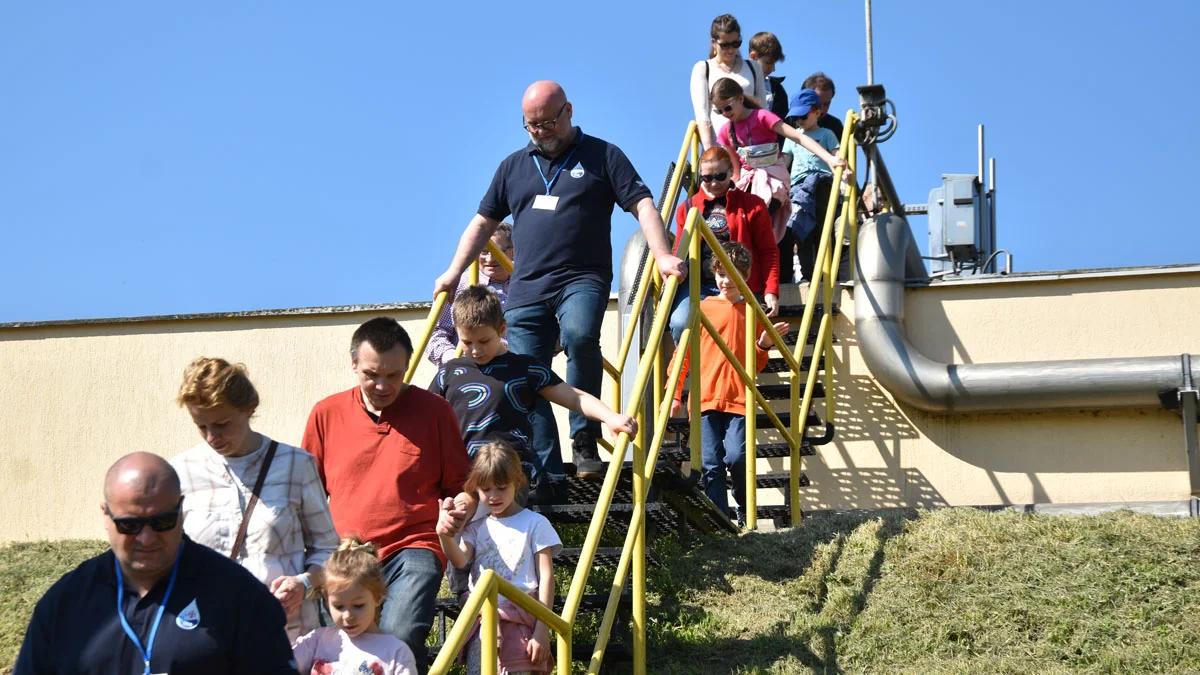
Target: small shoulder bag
(258, 486)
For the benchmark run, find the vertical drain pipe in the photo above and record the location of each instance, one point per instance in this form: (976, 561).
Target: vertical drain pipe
(1187, 401)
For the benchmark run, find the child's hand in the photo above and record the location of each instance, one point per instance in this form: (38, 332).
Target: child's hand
(538, 647)
(619, 422)
(447, 523)
(764, 338)
(676, 406)
(289, 591)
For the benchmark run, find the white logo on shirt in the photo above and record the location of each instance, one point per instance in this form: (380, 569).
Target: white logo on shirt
(189, 618)
(577, 172)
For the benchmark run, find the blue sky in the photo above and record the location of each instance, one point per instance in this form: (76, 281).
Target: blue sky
(164, 158)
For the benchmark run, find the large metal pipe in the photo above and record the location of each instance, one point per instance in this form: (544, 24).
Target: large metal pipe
(883, 251)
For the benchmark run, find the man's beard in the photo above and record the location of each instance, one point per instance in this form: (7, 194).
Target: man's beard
(549, 147)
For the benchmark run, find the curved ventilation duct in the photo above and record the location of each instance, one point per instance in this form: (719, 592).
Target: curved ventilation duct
(885, 250)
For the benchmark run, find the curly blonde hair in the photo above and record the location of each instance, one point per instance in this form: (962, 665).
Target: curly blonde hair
(210, 382)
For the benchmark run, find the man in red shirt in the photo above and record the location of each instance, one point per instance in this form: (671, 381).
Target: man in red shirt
(388, 453)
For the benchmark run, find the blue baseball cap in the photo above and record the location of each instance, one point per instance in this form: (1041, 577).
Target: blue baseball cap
(801, 103)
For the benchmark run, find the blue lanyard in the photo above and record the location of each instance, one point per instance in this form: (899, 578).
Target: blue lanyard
(149, 648)
(550, 183)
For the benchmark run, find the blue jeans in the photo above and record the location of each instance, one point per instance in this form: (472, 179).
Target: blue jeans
(681, 309)
(723, 447)
(413, 577)
(572, 317)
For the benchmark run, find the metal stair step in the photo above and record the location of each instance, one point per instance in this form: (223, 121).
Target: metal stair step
(774, 450)
(783, 391)
(779, 364)
(781, 479)
(605, 557)
(797, 311)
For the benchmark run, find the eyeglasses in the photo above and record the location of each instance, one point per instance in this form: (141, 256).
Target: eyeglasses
(544, 126)
(729, 45)
(714, 177)
(723, 111)
(160, 522)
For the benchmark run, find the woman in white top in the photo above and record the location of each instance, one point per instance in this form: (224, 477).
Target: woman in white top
(290, 533)
(724, 60)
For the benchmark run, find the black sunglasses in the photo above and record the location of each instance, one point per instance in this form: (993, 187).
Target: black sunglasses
(714, 177)
(160, 522)
(721, 111)
(729, 45)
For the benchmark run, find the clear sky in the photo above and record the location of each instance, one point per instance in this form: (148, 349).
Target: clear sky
(160, 158)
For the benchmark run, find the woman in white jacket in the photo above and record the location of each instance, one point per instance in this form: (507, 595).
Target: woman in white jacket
(289, 533)
(724, 60)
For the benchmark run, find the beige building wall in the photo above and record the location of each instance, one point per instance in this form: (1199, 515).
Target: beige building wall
(889, 454)
(74, 396)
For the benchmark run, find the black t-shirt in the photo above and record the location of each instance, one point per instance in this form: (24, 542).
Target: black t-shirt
(219, 619)
(714, 216)
(571, 243)
(494, 402)
(833, 124)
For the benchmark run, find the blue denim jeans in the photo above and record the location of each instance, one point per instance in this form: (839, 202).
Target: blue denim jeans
(723, 448)
(572, 317)
(681, 309)
(413, 577)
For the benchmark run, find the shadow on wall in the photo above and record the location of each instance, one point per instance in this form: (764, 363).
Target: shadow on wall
(1089, 441)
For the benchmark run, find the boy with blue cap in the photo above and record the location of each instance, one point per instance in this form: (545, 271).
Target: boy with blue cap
(811, 177)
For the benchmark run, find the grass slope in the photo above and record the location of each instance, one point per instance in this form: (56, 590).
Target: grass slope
(952, 591)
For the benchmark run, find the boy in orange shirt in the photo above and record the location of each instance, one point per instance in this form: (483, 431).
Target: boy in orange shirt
(722, 392)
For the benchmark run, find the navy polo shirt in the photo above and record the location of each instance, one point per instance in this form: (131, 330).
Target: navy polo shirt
(572, 243)
(230, 622)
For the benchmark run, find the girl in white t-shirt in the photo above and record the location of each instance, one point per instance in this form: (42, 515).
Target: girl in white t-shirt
(515, 543)
(354, 589)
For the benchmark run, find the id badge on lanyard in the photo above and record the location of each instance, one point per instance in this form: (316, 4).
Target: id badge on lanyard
(549, 202)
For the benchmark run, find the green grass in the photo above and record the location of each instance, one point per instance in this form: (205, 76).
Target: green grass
(951, 591)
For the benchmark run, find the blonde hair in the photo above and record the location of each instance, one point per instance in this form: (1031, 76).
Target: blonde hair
(496, 464)
(209, 382)
(355, 563)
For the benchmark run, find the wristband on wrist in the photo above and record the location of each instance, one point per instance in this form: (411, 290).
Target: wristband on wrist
(306, 579)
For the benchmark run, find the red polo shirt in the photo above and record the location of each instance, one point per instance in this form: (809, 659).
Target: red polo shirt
(385, 478)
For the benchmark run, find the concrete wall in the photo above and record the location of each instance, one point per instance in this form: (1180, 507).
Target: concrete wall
(75, 396)
(888, 454)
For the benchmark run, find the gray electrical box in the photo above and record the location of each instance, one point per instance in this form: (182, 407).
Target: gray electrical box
(959, 229)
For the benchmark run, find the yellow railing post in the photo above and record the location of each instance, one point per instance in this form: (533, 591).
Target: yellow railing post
(489, 623)
(751, 455)
(439, 303)
(639, 547)
(693, 347)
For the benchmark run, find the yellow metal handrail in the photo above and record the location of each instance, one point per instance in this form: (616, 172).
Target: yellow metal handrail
(483, 601)
(825, 271)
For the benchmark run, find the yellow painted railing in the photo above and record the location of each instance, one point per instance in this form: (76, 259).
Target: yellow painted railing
(483, 601)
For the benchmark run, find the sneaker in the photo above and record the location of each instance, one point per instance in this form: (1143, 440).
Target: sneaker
(587, 458)
(548, 493)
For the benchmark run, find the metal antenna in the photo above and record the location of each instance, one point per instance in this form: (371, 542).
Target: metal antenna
(870, 48)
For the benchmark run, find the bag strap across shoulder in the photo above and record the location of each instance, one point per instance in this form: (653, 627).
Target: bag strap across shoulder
(258, 486)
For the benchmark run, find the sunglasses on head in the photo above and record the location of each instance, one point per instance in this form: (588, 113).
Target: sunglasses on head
(160, 522)
(729, 45)
(714, 177)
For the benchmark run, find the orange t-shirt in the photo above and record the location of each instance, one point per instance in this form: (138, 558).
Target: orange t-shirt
(384, 479)
(720, 387)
